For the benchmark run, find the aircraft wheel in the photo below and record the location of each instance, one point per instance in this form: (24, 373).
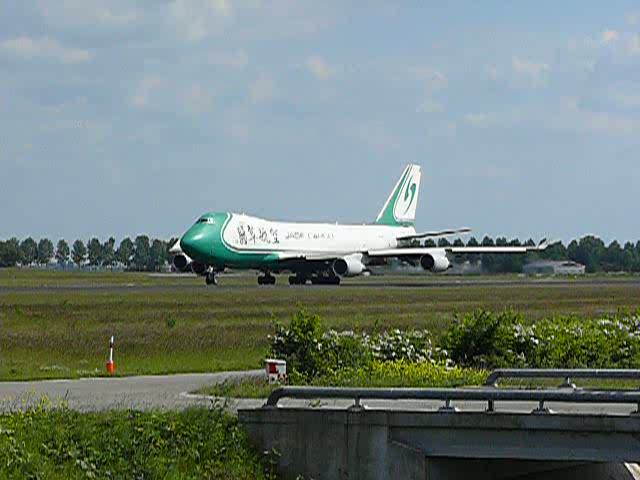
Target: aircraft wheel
(293, 280)
(211, 279)
(261, 280)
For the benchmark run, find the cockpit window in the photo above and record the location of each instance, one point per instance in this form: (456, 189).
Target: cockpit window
(208, 220)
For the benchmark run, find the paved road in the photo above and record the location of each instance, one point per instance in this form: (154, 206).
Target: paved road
(173, 391)
(157, 391)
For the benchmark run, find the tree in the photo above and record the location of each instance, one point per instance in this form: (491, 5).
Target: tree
(141, 252)
(125, 252)
(94, 252)
(28, 251)
(78, 252)
(62, 252)
(10, 253)
(556, 251)
(589, 251)
(157, 255)
(45, 251)
(109, 252)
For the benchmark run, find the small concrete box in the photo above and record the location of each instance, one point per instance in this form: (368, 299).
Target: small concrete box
(276, 370)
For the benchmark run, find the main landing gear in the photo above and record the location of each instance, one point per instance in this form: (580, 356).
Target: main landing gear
(267, 279)
(297, 279)
(320, 279)
(325, 280)
(211, 278)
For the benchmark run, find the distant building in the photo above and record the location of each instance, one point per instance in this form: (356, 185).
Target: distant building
(550, 267)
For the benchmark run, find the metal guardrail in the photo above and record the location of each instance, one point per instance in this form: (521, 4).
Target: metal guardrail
(566, 374)
(487, 394)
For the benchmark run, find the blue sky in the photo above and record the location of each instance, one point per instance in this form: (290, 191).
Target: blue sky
(123, 117)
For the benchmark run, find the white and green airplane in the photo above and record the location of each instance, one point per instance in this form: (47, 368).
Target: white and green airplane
(321, 253)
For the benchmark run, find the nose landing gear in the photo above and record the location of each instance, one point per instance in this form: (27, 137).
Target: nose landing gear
(211, 278)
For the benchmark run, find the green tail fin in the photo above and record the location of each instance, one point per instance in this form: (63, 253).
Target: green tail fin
(400, 207)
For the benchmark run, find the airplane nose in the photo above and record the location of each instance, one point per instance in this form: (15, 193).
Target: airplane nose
(194, 243)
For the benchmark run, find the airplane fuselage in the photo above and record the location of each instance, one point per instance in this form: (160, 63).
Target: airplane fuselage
(225, 239)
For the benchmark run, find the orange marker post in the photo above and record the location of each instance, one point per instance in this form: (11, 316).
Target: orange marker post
(111, 366)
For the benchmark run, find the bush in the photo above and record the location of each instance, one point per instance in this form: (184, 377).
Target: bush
(403, 373)
(488, 340)
(574, 343)
(311, 350)
(60, 443)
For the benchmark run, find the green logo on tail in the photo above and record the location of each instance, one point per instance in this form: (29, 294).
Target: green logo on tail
(411, 188)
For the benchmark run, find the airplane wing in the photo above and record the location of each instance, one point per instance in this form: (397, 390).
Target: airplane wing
(310, 256)
(408, 252)
(441, 233)
(411, 251)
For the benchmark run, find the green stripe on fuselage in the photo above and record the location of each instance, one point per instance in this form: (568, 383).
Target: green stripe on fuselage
(226, 256)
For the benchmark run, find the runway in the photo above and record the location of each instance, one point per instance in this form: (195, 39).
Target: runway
(392, 282)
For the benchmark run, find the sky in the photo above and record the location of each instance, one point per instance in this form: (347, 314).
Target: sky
(121, 118)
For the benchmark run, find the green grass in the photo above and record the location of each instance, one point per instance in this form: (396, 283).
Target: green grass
(57, 443)
(172, 324)
(377, 375)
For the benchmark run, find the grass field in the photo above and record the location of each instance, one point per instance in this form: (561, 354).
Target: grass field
(57, 324)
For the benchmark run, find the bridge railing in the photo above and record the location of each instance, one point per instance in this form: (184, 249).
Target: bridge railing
(566, 374)
(486, 394)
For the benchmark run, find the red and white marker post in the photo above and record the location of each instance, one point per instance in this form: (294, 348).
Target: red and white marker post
(111, 367)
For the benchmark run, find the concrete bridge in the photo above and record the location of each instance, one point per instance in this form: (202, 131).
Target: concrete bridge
(479, 433)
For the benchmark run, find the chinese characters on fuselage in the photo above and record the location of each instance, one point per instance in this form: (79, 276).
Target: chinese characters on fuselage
(252, 234)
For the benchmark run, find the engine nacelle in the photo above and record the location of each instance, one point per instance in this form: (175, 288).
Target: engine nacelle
(348, 267)
(181, 262)
(198, 268)
(435, 263)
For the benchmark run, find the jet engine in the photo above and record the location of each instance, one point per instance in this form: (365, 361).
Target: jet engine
(348, 266)
(435, 263)
(181, 262)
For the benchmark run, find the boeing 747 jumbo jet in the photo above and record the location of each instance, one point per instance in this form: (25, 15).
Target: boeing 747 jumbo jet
(321, 253)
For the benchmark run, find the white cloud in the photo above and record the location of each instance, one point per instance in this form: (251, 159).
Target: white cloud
(585, 121)
(609, 36)
(447, 129)
(434, 79)
(238, 59)
(633, 45)
(197, 99)
(44, 47)
(198, 19)
(492, 72)
(491, 171)
(376, 136)
(112, 13)
(481, 120)
(319, 67)
(430, 106)
(533, 72)
(239, 131)
(146, 87)
(262, 89)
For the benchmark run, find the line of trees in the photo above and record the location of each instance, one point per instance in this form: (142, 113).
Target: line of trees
(141, 254)
(145, 254)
